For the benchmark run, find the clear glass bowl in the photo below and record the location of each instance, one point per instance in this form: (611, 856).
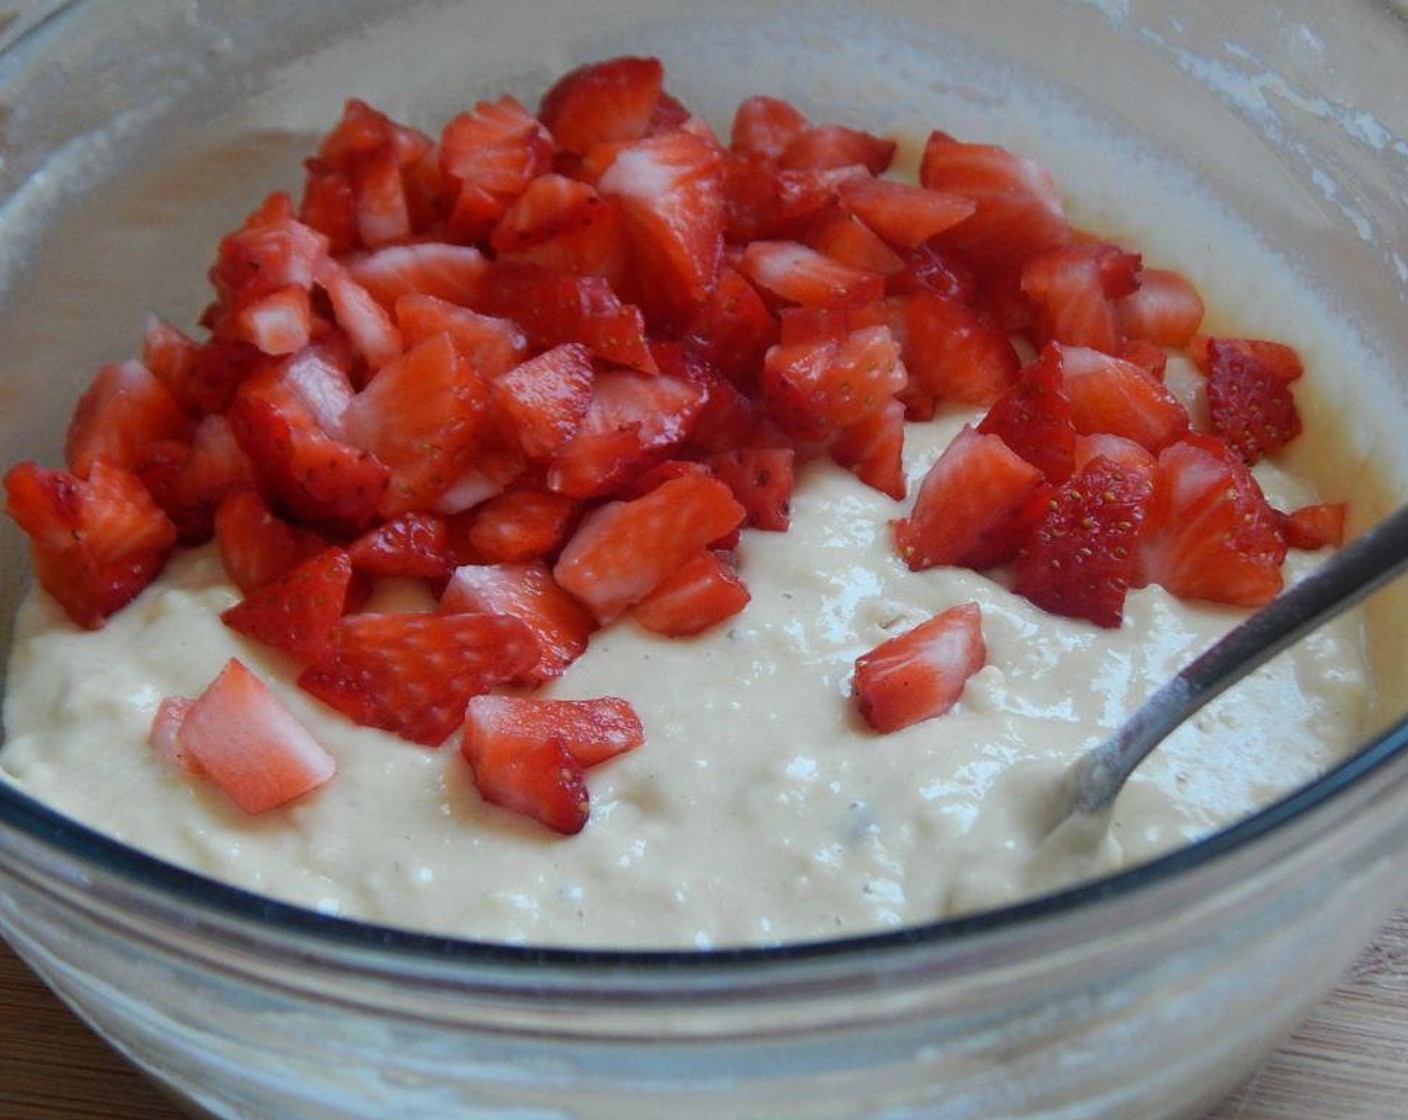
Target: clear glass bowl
(1146, 995)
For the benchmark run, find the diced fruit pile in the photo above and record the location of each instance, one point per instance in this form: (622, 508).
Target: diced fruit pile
(552, 364)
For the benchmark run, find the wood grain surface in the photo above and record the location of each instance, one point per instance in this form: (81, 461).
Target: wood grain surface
(1349, 1061)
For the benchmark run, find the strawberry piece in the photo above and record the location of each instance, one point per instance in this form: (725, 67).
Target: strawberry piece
(243, 739)
(491, 468)
(1250, 404)
(1115, 448)
(190, 480)
(930, 268)
(921, 673)
(256, 547)
(1074, 289)
(954, 354)
(622, 551)
(593, 731)
(125, 409)
(164, 736)
(796, 274)
(1149, 356)
(813, 390)
(1314, 527)
(95, 543)
(419, 416)
(602, 103)
(1211, 534)
(1278, 359)
(528, 593)
(1165, 309)
(413, 674)
(733, 331)
(546, 399)
(764, 126)
(669, 187)
(761, 201)
(364, 131)
(329, 206)
(454, 273)
(168, 354)
(830, 146)
(299, 611)
(536, 777)
(1111, 395)
(358, 313)
(490, 345)
(1081, 559)
(1033, 418)
(413, 545)
(270, 251)
(873, 449)
(972, 495)
(904, 215)
(762, 480)
(217, 369)
(487, 157)
(553, 308)
(844, 237)
(702, 593)
(1019, 211)
(562, 224)
(278, 323)
(521, 524)
(383, 213)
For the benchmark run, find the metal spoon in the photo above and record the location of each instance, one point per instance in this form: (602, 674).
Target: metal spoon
(1362, 567)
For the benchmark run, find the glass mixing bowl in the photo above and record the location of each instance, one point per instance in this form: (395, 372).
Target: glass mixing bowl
(1146, 995)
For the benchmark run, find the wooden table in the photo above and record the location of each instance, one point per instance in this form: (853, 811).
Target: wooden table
(1349, 1061)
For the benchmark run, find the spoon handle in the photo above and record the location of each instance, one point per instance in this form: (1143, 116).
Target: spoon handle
(1359, 569)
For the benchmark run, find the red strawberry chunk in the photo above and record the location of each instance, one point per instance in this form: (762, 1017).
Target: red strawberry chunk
(95, 543)
(125, 409)
(329, 206)
(217, 369)
(1074, 289)
(1314, 527)
(534, 776)
(364, 131)
(528, 593)
(243, 739)
(904, 215)
(622, 551)
(831, 146)
(419, 416)
(268, 253)
(954, 354)
(929, 267)
(796, 274)
(168, 354)
(1120, 398)
(366, 322)
(602, 103)
(762, 201)
(190, 480)
(762, 480)
(522, 523)
(256, 547)
(562, 224)
(1250, 404)
(873, 449)
(702, 593)
(1033, 418)
(299, 611)
(383, 213)
(278, 323)
(1279, 360)
(546, 398)
(410, 546)
(1082, 558)
(921, 673)
(490, 345)
(593, 731)
(489, 156)
(1165, 309)
(164, 736)
(1211, 533)
(733, 330)
(844, 237)
(454, 273)
(764, 126)
(975, 491)
(413, 674)
(1115, 448)
(813, 390)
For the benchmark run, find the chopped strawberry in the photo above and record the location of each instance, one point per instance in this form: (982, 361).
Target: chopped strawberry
(562, 224)
(813, 390)
(278, 323)
(487, 157)
(329, 206)
(553, 308)
(921, 673)
(953, 353)
(164, 736)
(1211, 534)
(929, 267)
(1314, 527)
(873, 449)
(733, 330)
(413, 545)
(1111, 395)
(762, 480)
(844, 237)
(419, 416)
(975, 491)
(602, 103)
(256, 547)
(764, 126)
(189, 480)
(243, 738)
(299, 611)
(95, 543)
(761, 201)
(217, 369)
(454, 273)
(528, 593)
(490, 469)
(270, 251)
(1033, 418)
(168, 354)
(1250, 404)
(1115, 448)
(593, 731)
(622, 551)
(364, 131)
(906, 216)
(1279, 360)
(413, 674)
(669, 187)
(1165, 309)
(702, 593)
(1149, 356)
(366, 322)
(522, 523)
(1074, 289)
(796, 274)
(1082, 558)
(489, 345)
(831, 146)
(546, 398)
(125, 409)
(534, 776)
